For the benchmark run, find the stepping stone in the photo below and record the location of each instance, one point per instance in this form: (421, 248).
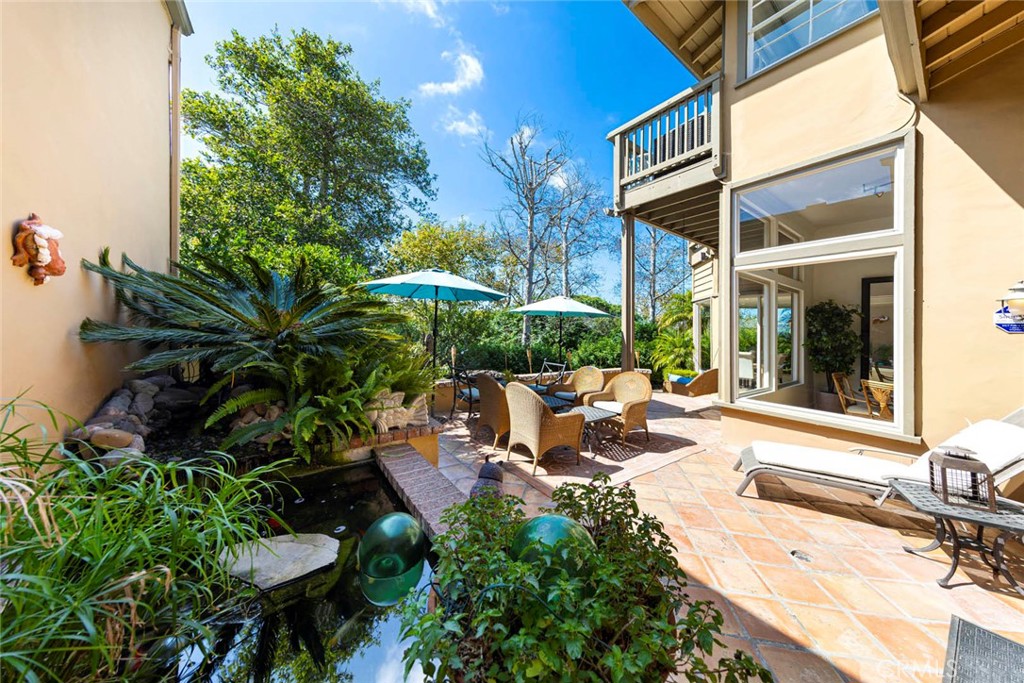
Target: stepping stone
(278, 561)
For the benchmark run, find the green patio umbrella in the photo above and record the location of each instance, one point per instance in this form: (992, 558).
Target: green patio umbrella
(562, 307)
(435, 284)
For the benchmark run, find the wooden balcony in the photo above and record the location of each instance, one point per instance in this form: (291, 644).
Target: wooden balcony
(672, 148)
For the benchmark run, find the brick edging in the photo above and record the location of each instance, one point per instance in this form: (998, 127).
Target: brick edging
(421, 486)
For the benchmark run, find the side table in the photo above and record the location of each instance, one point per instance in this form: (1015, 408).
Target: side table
(1008, 519)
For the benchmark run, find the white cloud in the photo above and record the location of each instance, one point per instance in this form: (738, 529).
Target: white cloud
(500, 8)
(559, 180)
(469, 72)
(428, 8)
(463, 125)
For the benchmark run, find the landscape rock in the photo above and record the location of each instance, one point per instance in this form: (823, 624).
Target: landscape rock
(125, 425)
(162, 381)
(175, 399)
(143, 403)
(104, 422)
(84, 433)
(117, 457)
(111, 438)
(142, 386)
(280, 560)
(137, 444)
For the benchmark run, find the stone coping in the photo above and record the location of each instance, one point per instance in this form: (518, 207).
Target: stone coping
(425, 491)
(396, 435)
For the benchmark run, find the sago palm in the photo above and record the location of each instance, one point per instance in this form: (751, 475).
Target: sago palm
(231, 321)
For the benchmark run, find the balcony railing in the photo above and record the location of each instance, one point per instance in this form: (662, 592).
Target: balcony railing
(680, 132)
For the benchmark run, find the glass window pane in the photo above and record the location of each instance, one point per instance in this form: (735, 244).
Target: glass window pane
(778, 29)
(784, 306)
(846, 199)
(751, 331)
(831, 16)
(753, 232)
(797, 383)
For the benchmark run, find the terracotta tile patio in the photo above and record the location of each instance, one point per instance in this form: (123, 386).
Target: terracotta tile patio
(813, 581)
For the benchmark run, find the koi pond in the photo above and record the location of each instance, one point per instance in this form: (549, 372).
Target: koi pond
(321, 628)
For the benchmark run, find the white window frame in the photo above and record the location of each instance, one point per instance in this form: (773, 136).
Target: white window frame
(748, 28)
(897, 243)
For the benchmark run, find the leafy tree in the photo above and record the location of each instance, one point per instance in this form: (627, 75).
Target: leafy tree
(301, 157)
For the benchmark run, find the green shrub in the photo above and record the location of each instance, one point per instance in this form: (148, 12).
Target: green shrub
(103, 564)
(625, 618)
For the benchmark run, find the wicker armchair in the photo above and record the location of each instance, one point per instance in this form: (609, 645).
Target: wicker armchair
(532, 424)
(627, 394)
(493, 407)
(586, 380)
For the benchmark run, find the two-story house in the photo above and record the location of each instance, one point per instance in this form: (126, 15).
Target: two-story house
(867, 152)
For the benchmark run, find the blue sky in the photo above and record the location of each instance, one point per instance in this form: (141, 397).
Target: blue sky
(469, 68)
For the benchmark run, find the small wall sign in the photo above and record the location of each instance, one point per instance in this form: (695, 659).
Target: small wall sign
(1007, 322)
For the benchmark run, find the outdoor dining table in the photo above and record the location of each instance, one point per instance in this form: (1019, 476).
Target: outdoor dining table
(593, 418)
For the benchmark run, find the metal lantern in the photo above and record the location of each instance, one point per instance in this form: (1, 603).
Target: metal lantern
(958, 479)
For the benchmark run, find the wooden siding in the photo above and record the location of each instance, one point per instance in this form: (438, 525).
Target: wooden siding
(704, 280)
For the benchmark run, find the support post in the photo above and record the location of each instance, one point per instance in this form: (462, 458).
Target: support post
(628, 289)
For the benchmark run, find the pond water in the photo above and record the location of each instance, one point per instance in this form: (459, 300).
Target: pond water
(323, 629)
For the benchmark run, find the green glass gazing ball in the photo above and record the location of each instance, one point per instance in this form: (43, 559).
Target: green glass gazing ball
(390, 558)
(542, 535)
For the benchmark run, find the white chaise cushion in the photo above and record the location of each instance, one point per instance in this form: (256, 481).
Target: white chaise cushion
(613, 406)
(999, 445)
(836, 464)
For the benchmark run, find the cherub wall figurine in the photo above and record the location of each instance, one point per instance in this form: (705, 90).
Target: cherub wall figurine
(36, 245)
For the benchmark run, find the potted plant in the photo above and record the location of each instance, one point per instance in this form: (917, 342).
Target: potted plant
(609, 607)
(832, 345)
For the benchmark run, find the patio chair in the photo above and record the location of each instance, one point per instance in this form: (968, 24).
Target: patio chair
(532, 424)
(878, 397)
(586, 380)
(704, 383)
(998, 443)
(852, 403)
(463, 390)
(627, 394)
(547, 368)
(493, 407)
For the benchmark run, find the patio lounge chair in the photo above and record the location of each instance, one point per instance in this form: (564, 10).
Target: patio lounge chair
(493, 407)
(628, 394)
(532, 424)
(999, 444)
(586, 380)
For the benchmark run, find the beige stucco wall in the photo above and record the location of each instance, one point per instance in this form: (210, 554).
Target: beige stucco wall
(837, 94)
(86, 146)
(970, 211)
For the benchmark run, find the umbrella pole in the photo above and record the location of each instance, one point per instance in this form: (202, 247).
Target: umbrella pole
(433, 352)
(561, 351)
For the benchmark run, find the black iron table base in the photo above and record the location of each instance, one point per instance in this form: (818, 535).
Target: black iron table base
(1008, 520)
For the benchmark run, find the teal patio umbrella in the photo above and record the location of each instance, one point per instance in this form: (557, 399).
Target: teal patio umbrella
(562, 307)
(435, 284)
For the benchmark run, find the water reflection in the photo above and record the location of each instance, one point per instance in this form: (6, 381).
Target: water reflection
(321, 629)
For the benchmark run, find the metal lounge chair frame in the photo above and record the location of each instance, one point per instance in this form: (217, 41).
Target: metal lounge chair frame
(855, 471)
